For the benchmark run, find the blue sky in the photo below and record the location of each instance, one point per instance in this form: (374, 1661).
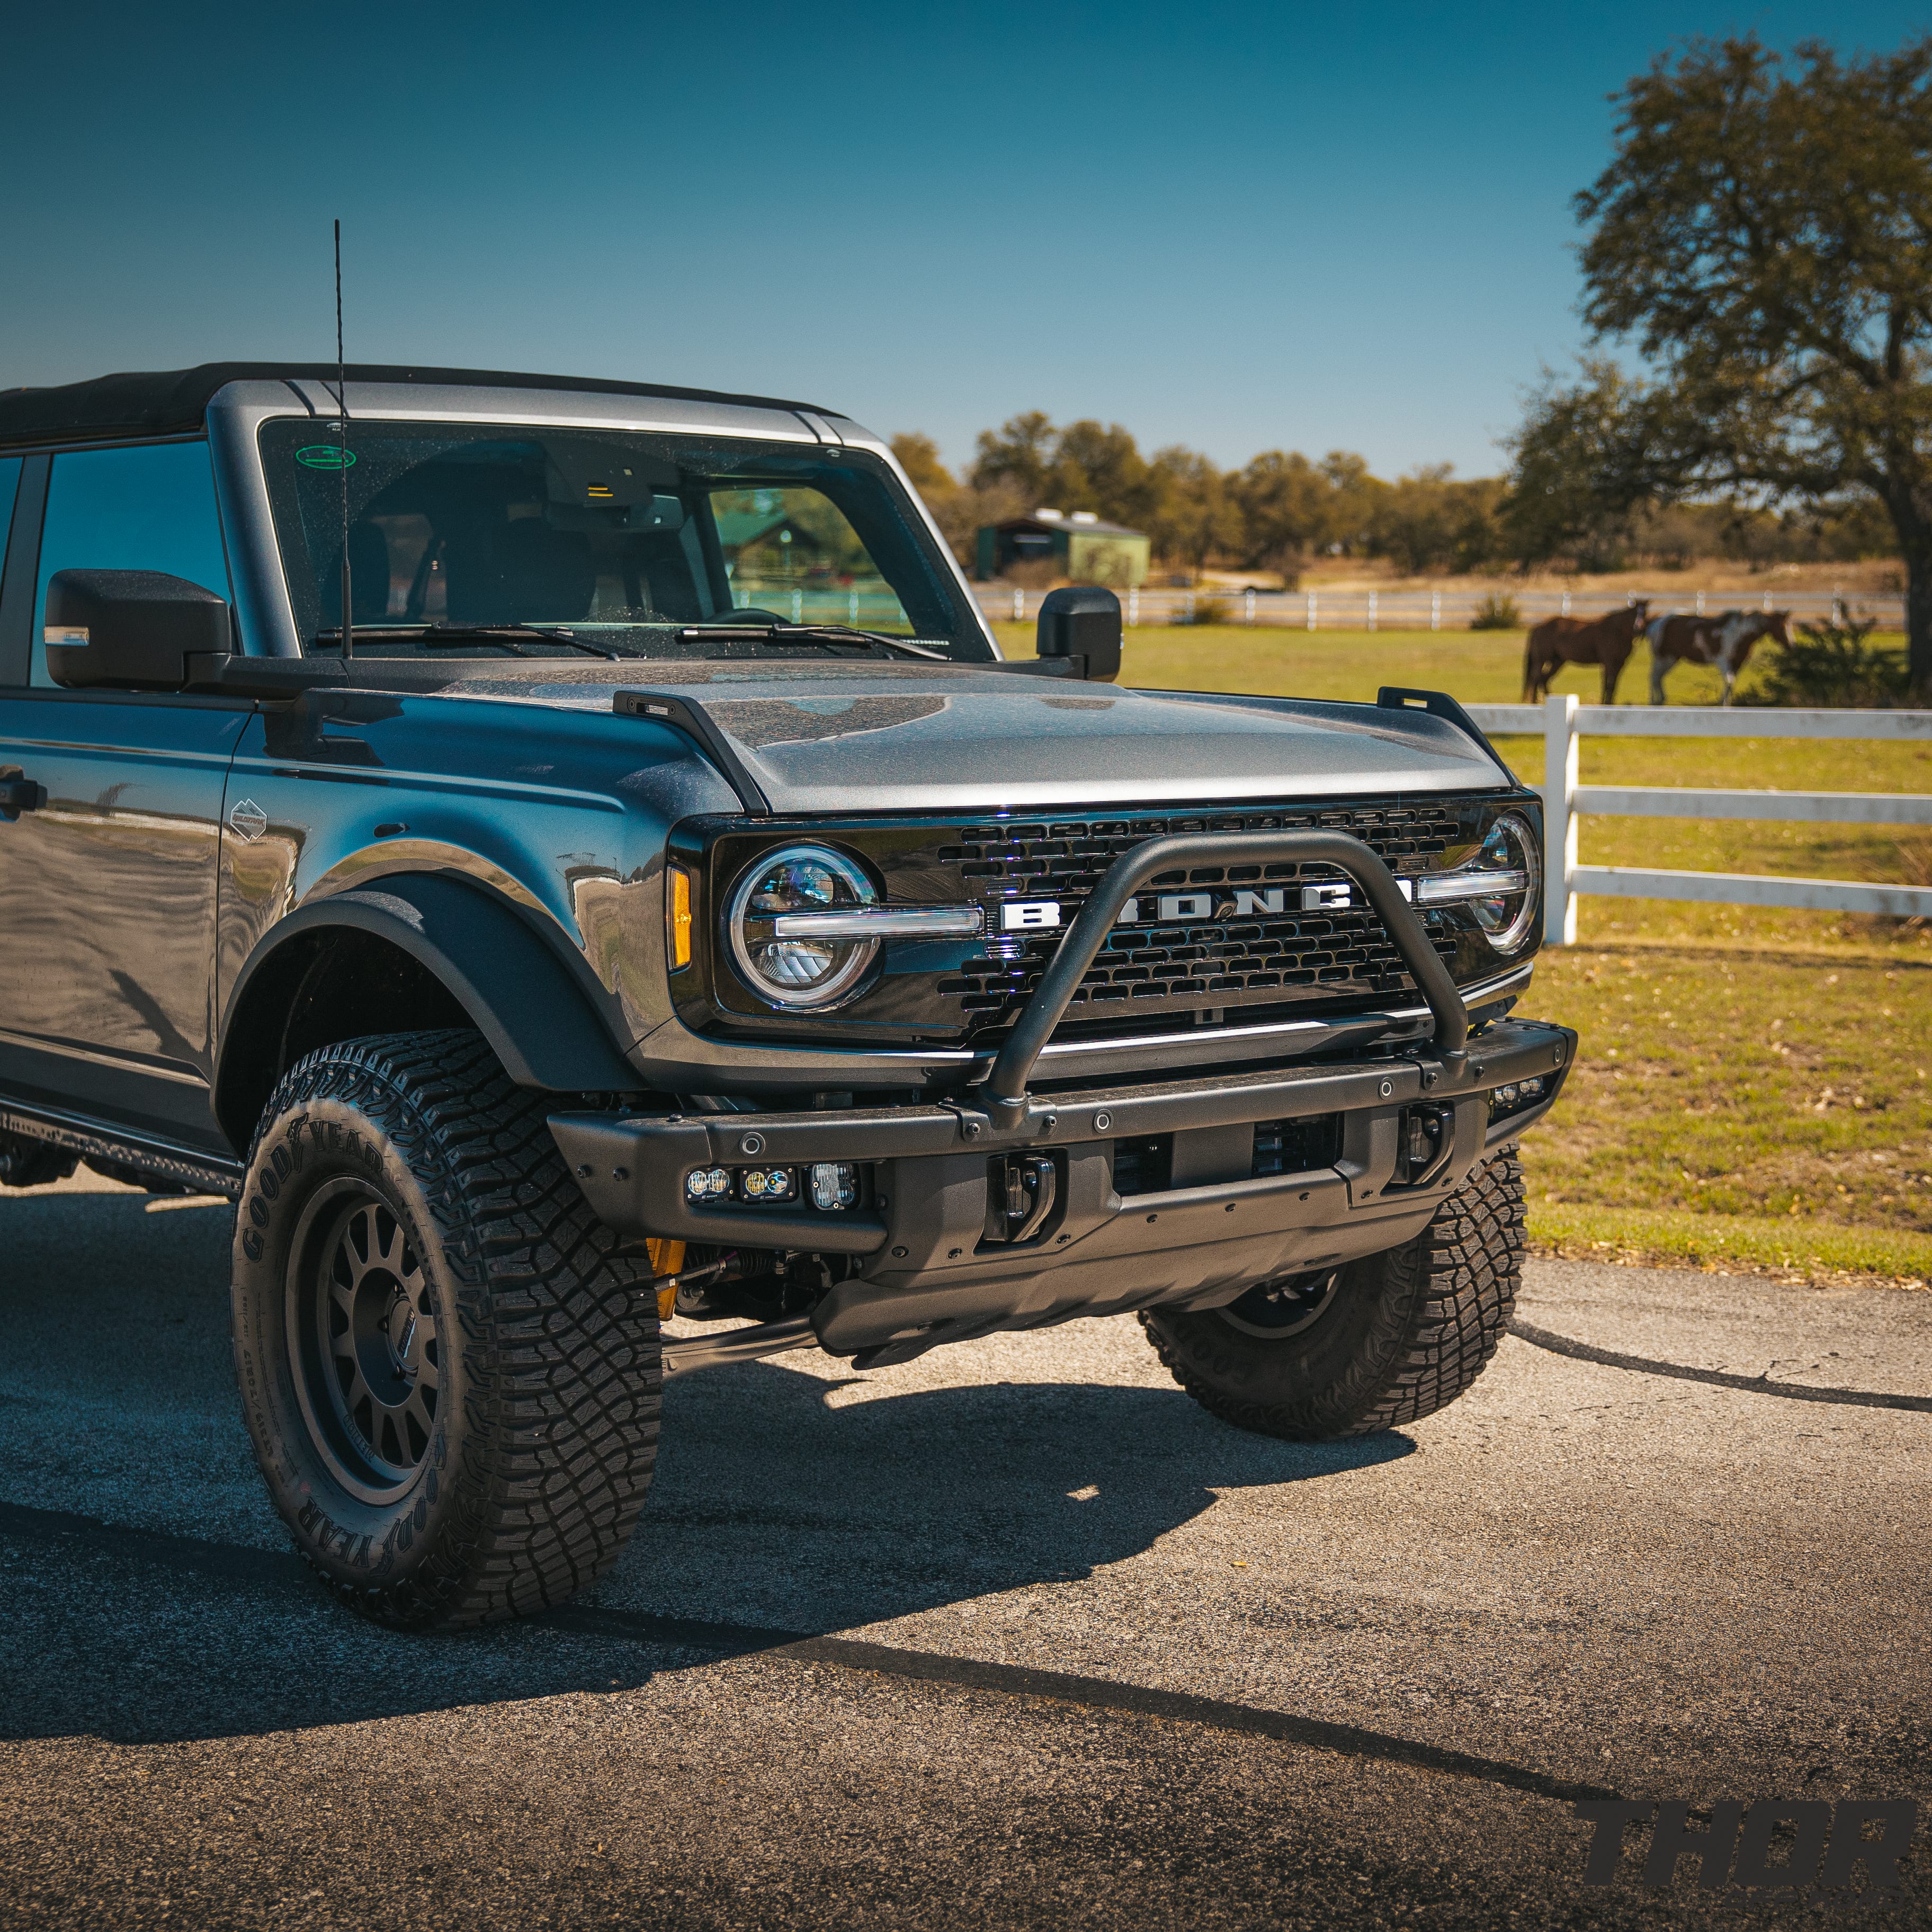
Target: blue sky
(1236, 227)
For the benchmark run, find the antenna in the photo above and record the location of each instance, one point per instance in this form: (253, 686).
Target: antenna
(342, 403)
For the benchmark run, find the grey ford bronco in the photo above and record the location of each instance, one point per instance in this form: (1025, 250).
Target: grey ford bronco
(569, 860)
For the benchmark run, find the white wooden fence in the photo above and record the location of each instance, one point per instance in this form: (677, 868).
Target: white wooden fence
(1435, 610)
(1562, 721)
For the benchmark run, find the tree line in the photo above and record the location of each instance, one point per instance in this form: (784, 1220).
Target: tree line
(1760, 240)
(1282, 508)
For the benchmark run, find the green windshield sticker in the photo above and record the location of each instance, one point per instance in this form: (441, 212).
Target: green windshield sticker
(325, 456)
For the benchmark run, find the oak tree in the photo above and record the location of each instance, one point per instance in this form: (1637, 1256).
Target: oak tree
(1763, 232)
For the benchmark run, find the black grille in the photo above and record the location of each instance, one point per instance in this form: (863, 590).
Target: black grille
(1260, 957)
(1213, 961)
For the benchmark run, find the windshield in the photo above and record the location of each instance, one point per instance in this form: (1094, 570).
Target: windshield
(630, 542)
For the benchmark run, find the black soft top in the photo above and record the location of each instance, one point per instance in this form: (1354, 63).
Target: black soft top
(173, 402)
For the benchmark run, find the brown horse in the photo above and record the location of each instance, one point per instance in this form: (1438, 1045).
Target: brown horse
(1724, 640)
(1557, 641)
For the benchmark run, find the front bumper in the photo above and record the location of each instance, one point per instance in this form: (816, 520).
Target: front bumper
(928, 1274)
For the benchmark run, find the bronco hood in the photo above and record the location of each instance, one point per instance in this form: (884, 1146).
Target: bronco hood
(839, 738)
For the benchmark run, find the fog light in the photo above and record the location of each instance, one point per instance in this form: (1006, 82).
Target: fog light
(1513, 1096)
(835, 1184)
(767, 1183)
(707, 1184)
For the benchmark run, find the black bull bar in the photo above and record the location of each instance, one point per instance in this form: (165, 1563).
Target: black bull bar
(1004, 1096)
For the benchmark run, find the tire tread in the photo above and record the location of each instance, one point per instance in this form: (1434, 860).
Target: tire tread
(1464, 1270)
(561, 1350)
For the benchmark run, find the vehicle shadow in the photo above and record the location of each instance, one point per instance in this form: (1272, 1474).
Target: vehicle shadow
(778, 1504)
(785, 1500)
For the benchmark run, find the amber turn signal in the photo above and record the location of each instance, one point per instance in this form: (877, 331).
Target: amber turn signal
(680, 918)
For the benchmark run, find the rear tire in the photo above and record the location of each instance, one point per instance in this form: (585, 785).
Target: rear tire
(1385, 1341)
(451, 1380)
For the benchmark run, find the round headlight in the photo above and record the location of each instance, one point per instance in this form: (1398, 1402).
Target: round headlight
(800, 968)
(1510, 850)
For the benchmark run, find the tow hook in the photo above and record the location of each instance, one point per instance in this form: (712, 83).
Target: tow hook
(1021, 1190)
(1428, 1139)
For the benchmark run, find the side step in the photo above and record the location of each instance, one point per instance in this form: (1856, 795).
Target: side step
(200, 1173)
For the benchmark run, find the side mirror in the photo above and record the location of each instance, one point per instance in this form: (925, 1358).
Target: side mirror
(129, 630)
(1083, 621)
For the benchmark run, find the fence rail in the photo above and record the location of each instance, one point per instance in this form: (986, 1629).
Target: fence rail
(1437, 610)
(1562, 721)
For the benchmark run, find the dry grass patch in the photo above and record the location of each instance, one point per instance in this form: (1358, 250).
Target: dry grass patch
(1741, 1083)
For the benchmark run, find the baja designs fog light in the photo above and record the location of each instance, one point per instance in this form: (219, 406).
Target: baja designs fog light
(790, 920)
(767, 1183)
(835, 1184)
(708, 1183)
(1512, 1098)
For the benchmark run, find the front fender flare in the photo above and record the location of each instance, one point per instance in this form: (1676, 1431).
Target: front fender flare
(541, 1017)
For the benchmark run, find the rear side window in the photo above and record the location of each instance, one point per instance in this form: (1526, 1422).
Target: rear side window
(151, 508)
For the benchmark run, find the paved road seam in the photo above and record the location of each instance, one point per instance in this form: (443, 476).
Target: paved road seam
(1582, 1352)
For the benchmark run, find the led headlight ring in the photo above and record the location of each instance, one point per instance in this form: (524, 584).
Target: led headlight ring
(800, 973)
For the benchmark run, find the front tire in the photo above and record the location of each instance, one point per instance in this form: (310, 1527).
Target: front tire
(1384, 1341)
(451, 1380)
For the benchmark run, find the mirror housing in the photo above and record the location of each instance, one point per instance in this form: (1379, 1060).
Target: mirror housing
(129, 630)
(1082, 622)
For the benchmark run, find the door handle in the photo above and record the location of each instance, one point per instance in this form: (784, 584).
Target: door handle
(19, 794)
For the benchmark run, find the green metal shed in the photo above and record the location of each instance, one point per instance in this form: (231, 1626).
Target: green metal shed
(1088, 549)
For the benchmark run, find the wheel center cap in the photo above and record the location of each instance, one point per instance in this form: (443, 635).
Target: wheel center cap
(399, 1330)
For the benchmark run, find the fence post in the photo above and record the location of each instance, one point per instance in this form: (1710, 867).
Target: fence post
(854, 618)
(1019, 606)
(1700, 603)
(1559, 819)
(1435, 609)
(1566, 603)
(1371, 610)
(1134, 605)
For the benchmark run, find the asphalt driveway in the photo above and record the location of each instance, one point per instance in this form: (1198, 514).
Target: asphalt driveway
(1014, 1634)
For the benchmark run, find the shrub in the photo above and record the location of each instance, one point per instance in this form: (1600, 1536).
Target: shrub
(1497, 612)
(1834, 665)
(1206, 610)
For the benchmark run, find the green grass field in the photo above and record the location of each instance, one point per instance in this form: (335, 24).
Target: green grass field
(1755, 1087)
(1479, 666)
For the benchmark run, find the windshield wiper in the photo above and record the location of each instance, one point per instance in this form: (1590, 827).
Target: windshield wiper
(438, 635)
(827, 634)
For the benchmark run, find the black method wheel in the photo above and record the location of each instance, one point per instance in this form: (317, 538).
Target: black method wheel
(362, 1334)
(450, 1379)
(1383, 1341)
